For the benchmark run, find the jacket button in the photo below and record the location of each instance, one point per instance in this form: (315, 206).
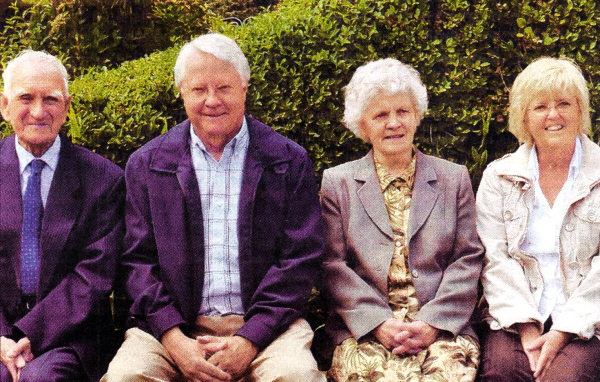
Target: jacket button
(415, 274)
(398, 243)
(508, 215)
(591, 215)
(570, 227)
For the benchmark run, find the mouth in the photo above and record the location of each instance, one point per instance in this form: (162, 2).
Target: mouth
(554, 128)
(394, 136)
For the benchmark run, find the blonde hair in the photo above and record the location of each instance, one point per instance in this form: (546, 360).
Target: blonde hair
(546, 75)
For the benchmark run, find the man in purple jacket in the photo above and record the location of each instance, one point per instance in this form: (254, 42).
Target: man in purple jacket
(61, 229)
(223, 241)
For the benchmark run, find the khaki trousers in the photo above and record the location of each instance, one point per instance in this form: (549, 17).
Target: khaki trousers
(143, 358)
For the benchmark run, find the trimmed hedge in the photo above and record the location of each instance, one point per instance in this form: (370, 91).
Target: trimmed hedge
(305, 51)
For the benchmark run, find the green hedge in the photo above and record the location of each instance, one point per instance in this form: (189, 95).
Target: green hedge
(303, 52)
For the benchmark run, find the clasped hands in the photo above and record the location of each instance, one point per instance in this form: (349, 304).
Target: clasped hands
(541, 349)
(15, 355)
(209, 358)
(405, 337)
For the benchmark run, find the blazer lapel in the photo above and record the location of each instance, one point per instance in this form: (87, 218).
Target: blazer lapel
(62, 208)
(11, 217)
(424, 195)
(370, 196)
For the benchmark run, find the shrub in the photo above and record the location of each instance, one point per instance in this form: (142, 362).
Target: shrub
(305, 51)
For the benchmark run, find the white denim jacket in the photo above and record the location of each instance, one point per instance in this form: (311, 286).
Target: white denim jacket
(511, 279)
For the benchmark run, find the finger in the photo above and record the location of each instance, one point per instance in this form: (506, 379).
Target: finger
(532, 360)
(20, 361)
(14, 372)
(545, 359)
(401, 337)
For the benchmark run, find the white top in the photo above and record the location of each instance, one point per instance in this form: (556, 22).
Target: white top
(542, 237)
(51, 159)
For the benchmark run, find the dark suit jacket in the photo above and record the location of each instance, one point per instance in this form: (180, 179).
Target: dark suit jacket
(445, 254)
(82, 232)
(279, 231)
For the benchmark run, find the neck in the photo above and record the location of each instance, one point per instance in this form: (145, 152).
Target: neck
(554, 158)
(394, 164)
(36, 150)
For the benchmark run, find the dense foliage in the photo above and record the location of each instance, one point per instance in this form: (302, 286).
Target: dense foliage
(303, 52)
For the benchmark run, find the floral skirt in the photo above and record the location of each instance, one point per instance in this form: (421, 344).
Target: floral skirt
(454, 360)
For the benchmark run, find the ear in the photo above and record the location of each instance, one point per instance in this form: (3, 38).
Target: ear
(68, 99)
(3, 106)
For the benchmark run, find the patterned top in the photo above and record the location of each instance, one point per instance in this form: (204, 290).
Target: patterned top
(220, 183)
(397, 194)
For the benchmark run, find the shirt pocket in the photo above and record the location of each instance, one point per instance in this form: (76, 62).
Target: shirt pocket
(584, 228)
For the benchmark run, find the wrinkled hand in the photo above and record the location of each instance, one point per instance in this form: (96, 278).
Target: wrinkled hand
(191, 356)
(529, 333)
(548, 346)
(405, 338)
(15, 355)
(235, 357)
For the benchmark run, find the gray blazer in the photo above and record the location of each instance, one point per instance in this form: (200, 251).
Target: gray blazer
(445, 254)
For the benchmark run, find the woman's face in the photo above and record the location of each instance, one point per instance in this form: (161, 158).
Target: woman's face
(553, 119)
(389, 123)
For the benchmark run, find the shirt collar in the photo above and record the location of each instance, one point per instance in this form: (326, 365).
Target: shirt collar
(240, 136)
(50, 156)
(533, 166)
(407, 177)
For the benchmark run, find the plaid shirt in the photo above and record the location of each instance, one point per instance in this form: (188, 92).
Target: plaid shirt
(220, 184)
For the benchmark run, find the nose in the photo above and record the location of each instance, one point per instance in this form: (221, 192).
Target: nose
(36, 109)
(212, 99)
(553, 112)
(394, 121)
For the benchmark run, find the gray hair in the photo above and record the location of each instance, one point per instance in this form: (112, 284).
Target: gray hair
(34, 56)
(222, 47)
(546, 75)
(388, 75)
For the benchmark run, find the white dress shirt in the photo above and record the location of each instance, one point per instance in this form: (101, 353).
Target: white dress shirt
(542, 237)
(51, 159)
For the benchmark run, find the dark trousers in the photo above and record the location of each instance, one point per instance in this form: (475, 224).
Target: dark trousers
(503, 359)
(56, 365)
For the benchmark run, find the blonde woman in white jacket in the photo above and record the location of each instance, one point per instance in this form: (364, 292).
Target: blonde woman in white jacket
(538, 216)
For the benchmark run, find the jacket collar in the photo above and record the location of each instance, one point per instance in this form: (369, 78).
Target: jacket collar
(370, 196)
(514, 166)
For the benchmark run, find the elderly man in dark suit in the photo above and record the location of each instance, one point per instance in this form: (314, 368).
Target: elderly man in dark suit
(61, 228)
(224, 238)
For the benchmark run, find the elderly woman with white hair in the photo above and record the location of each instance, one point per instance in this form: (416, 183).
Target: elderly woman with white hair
(538, 216)
(402, 258)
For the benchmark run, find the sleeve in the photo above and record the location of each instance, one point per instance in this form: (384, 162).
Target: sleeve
(283, 292)
(456, 295)
(72, 306)
(356, 302)
(505, 285)
(152, 303)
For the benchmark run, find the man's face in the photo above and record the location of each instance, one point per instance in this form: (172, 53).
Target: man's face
(214, 96)
(35, 104)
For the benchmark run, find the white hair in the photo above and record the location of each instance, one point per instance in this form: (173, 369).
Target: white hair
(222, 47)
(33, 56)
(386, 75)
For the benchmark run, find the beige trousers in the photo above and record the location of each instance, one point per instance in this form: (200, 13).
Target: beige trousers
(287, 359)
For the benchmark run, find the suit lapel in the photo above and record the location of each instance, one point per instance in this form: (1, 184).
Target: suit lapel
(11, 215)
(424, 195)
(370, 196)
(62, 208)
